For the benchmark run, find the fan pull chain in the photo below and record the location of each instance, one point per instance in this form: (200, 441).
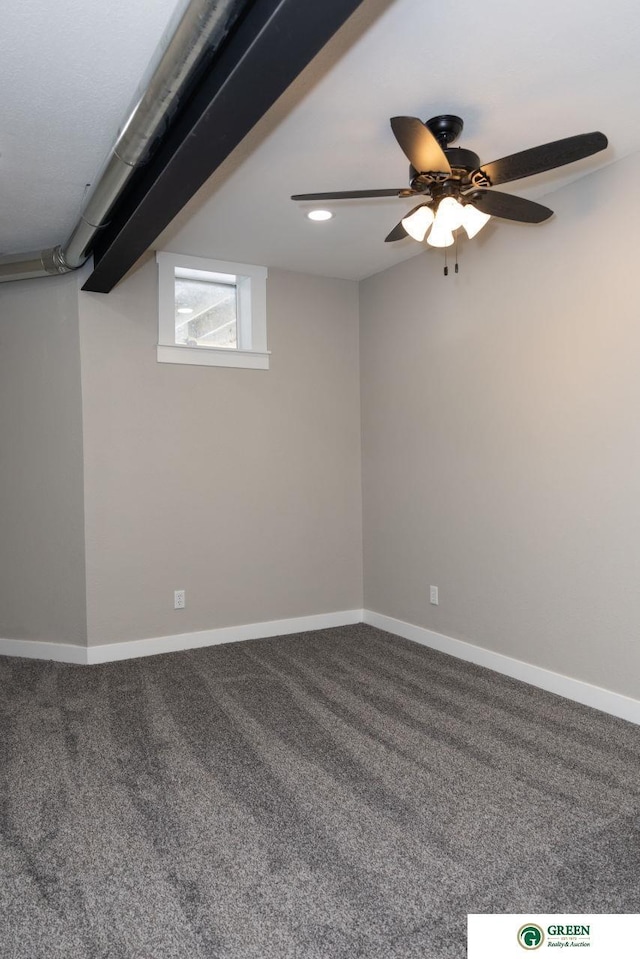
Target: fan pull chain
(456, 266)
(446, 268)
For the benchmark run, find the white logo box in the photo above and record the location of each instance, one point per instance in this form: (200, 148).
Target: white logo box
(608, 936)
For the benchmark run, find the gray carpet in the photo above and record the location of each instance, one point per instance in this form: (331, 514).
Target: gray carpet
(331, 795)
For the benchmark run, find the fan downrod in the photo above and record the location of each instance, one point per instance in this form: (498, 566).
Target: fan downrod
(446, 128)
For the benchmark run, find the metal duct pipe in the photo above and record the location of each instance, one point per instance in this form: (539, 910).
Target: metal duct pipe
(189, 42)
(22, 266)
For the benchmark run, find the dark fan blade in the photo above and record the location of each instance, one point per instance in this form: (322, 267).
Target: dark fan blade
(509, 207)
(398, 233)
(419, 145)
(542, 158)
(349, 195)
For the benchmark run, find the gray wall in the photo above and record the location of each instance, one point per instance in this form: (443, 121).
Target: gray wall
(42, 593)
(500, 444)
(242, 487)
(501, 437)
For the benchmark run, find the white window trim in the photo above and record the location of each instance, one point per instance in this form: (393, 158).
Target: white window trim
(252, 351)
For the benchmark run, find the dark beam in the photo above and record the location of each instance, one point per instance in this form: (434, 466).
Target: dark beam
(272, 44)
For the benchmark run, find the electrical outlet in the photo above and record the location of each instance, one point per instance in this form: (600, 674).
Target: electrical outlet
(433, 595)
(179, 599)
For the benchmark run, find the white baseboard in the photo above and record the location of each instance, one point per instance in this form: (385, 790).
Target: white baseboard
(214, 637)
(110, 652)
(595, 696)
(609, 702)
(32, 649)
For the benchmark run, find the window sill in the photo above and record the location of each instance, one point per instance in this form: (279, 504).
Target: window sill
(206, 356)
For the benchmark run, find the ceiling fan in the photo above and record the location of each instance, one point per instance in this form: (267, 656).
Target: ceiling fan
(455, 189)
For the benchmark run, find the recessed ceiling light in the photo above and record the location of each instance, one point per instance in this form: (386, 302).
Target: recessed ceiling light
(185, 310)
(319, 215)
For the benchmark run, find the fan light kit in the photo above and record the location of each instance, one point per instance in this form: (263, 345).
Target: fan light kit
(319, 215)
(455, 189)
(450, 216)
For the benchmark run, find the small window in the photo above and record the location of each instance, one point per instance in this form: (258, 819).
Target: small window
(211, 313)
(206, 309)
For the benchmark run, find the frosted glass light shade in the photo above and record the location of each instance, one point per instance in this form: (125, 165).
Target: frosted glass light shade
(418, 222)
(450, 214)
(440, 236)
(473, 220)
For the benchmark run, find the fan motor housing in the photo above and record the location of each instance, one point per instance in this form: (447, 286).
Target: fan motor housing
(463, 164)
(460, 159)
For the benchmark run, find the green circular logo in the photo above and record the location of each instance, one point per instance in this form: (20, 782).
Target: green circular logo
(530, 936)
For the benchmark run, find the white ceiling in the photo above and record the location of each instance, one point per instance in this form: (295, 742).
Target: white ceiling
(68, 74)
(518, 73)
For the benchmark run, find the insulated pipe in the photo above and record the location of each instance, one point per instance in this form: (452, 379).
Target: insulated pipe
(189, 42)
